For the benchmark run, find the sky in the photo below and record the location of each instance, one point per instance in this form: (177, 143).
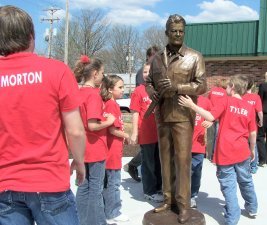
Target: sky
(140, 13)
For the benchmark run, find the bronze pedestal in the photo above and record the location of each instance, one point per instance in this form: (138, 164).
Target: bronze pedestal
(168, 217)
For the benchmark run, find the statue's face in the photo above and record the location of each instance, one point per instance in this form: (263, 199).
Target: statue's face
(175, 34)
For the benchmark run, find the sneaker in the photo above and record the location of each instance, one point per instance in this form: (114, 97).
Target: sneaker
(121, 218)
(193, 203)
(251, 215)
(109, 222)
(132, 170)
(154, 197)
(126, 167)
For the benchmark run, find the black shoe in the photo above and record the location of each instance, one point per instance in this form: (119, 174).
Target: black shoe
(132, 170)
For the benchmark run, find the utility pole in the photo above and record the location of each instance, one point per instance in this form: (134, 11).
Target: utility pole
(51, 21)
(66, 48)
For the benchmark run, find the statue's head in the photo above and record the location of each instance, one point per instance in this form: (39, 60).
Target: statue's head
(175, 30)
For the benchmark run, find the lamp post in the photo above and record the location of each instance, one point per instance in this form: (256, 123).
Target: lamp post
(129, 59)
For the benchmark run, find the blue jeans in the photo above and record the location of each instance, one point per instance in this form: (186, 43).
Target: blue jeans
(196, 172)
(228, 176)
(150, 169)
(25, 208)
(89, 195)
(111, 193)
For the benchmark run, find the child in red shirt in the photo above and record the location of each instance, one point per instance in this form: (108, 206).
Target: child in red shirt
(112, 88)
(198, 148)
(89, 74)
(215, 94)
(233, 153)
(144, 132)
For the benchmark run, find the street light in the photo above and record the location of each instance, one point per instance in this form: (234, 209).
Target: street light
(130, 59)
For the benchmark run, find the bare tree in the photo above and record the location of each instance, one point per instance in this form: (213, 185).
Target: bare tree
(87, 35)
(154, 35)
(123, 42)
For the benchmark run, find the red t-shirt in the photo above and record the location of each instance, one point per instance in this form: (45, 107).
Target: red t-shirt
(215, 95)
(236, 118)
(33, 150)
(254, 100)
(147, 129)
(92, 108)
(198, 145)
(115, 144)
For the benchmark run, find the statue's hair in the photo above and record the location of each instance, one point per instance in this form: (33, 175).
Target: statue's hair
(175, 19)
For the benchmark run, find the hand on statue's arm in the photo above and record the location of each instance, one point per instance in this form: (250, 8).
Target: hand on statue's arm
(187, 102)
(206, 124)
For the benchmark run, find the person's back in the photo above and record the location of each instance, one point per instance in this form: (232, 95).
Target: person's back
(39, 113)
(236, 118)
(31, 126)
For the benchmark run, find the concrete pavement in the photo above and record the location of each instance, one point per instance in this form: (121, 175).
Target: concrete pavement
(210, 200)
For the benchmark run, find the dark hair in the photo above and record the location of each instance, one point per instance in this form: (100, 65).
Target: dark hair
(174, 19)
(83, 69)
(107, 83)
(151, 51)
(16, 30)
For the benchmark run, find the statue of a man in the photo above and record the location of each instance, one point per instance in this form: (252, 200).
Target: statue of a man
(177, 70)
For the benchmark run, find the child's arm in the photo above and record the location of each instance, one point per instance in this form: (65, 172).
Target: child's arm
(187, 102)
(95, 125)
(134, 136)
(119, 133)
(260, 117)
(252, 143)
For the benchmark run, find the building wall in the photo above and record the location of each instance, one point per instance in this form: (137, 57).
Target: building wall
(218, 69)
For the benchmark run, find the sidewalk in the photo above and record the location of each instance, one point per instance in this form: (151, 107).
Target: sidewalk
(210, 201)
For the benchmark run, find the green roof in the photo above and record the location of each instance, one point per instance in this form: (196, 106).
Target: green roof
(227, 39)
(223, 39)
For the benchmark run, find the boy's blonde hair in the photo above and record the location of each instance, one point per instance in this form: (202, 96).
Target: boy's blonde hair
(239, 83)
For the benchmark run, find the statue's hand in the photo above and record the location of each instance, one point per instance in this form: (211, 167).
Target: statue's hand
(155, 97)
(165, 85)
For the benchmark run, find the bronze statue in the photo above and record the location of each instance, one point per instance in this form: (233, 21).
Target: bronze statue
(177, 70)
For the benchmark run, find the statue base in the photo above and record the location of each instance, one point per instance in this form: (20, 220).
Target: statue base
(169, 217)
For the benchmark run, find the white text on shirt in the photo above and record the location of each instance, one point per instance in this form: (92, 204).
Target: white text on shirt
(21, 79)
(240, 111)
